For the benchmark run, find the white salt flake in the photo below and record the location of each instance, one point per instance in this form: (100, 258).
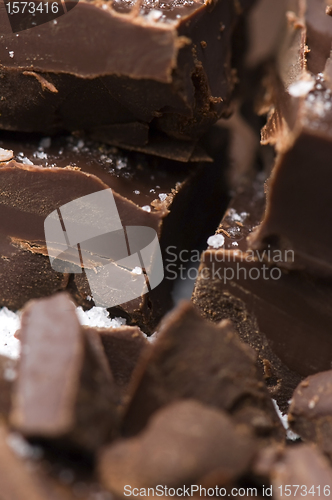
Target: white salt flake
(11, 54)
(284, 420)
(154, 15)
(235, 244)
(99, 317)
(216, 241)
(6, 154)
(137, 270)
(26, 161)
(9, 324)
(40, 155)
(162, 196)
(137, 192)
(146, 208)
(301, 88)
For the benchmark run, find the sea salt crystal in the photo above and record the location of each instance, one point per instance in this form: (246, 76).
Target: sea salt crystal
(11, 54)
(154, 15)
(137, 270)
(216, 241)
(9, 324)
(98, 317)
(6, 154)
(284, 420)
(146, 208)
(26, 161)
(301, 88)
(162, 196)
(40, 155)
(136, 191)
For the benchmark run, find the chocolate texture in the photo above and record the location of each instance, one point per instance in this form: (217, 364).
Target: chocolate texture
(155, 70)
(299, 127)
(176, 202)
(310, 414)
(276, 311)
(62, 370)
(184, 443)
(192, 358)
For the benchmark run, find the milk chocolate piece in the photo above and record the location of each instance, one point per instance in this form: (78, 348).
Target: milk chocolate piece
(278, 312)
(310, 412)
(296, 472)
(299, 126)
(192, 358)
(64, 385)
(70, 169)
(123, 348)
(184, 443)
(153, 68)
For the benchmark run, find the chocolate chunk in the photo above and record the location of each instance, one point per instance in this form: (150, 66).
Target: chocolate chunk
(184, 443)
(64, 385)
(278, 312)
(69, 169)
(297, 471)
(310, 414)
(123, 347)
(146, 72)
(28, 275)
(192, 358)
(299, 126)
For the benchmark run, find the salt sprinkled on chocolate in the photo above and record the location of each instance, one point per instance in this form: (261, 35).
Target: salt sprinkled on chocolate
(216, 241)
(6, 154)
(99, 317)
(9, 324)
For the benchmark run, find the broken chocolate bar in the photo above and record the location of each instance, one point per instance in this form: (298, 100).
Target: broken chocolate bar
(64, 384)
(176, 202)
(310, 414)
(123, 348)
(155, 70)
(184, 443)
(278, 312)
(299, 125)
(296, 472)
(192, 358)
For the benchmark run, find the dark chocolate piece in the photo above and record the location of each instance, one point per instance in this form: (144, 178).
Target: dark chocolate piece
(192, 358)
(278, 312)
(64, 385)
(123, 348)
(70, 169)
(299, 126)
(184, 443)
(153, 68)
(296, 472)
(310, 412)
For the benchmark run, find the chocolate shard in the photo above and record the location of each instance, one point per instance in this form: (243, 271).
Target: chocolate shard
(184, 443)
(123, 348)
(8, 373)
(296, 471)
(192, 358)
(64, 385)
(150, 70)
(299, 126)
(273, 309)
(310, 415)
(167, 200)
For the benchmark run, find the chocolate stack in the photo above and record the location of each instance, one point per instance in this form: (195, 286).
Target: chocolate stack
(157, 106)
